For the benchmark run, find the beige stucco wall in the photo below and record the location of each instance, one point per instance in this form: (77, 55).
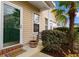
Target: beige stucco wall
(28, 11)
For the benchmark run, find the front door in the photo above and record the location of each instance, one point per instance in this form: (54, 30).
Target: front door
(11, 28)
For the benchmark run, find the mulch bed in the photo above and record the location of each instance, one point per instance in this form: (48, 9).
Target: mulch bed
(55, 53)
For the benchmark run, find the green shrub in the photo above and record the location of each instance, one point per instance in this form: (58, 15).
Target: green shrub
(52, 39)
(76, 41)
(76, 29)
(63, 29)
(76, 36)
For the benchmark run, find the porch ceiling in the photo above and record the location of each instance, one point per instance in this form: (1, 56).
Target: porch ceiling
(42, 5)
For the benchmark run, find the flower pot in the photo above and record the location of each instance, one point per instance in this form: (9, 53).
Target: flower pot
(33, 43)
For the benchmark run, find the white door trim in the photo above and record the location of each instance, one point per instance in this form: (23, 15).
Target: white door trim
(2, 21)
(1, 27)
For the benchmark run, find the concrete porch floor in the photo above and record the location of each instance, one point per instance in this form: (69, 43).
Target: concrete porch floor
(40, 54)
(31, 51)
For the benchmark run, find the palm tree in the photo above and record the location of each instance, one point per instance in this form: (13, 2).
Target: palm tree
(72, 8)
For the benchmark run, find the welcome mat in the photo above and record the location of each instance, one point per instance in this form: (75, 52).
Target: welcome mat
(15, 53)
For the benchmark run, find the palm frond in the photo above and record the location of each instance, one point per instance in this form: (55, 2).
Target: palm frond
(54, 10)
(66, 4)
(61, 14)
(61, 19)
(58, 11)
(77, 4)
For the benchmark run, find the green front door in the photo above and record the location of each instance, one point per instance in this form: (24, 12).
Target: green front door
(11, 30)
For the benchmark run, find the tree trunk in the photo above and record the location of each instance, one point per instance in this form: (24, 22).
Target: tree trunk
(71, 25)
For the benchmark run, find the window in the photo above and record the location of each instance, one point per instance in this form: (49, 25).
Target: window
(46, 24)
(36, 23)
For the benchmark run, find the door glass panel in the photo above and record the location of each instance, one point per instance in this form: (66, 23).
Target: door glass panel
(11, 34)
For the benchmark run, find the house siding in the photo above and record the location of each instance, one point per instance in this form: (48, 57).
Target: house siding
(28, 11)
(48, 15)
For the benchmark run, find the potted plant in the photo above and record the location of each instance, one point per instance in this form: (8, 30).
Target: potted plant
(33, 43)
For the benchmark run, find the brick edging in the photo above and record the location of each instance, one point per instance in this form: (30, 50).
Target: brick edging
(4, 51)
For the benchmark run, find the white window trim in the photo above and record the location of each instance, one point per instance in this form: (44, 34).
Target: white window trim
(46, 19)
(38, 16)
(2, 20)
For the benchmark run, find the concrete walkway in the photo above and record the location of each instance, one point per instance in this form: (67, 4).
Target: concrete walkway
(40, 54)
(30, 51)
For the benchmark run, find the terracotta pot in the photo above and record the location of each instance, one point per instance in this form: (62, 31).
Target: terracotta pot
(33, 43)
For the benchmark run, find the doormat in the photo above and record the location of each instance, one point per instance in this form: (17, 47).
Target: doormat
(15, 52)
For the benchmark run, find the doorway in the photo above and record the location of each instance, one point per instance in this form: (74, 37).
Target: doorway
(12, 32)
